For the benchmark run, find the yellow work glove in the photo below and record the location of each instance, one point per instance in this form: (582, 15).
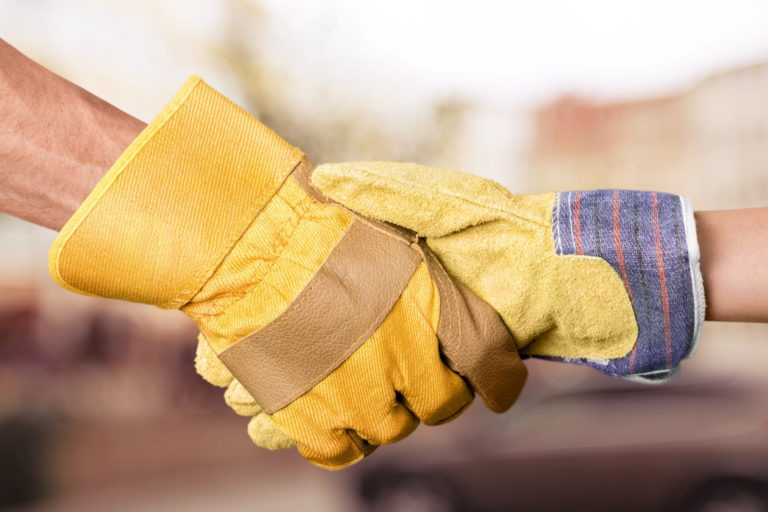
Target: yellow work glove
(345, 331)
(606, 278)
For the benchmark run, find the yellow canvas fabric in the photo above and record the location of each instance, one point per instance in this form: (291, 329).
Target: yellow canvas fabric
(500, 246)
(249, 291)
(197, 225)
(200, 214)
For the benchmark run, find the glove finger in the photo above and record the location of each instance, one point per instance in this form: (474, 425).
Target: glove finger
(428, 387)
(433, 202)
(355, 408)
(352, 449)
(261, 429)
(396, 425)
(326, 447)
(240, 400)
(264, 433)
(209, 366)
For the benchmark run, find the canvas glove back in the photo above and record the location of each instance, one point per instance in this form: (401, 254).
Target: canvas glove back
(606, 278)
(345, 331)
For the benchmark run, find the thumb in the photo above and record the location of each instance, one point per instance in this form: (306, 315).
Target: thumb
(209, 366)
(433, 202)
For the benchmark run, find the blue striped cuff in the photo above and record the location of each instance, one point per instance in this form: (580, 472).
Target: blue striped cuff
(649, 238)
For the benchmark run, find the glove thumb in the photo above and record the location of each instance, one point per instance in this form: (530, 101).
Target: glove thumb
(433, 202)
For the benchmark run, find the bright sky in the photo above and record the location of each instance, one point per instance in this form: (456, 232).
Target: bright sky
(518, 52)
(530, 50)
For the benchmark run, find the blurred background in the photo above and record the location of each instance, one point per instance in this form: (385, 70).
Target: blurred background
(100, 407)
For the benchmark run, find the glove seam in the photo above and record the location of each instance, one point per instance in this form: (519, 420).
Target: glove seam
(463, 198)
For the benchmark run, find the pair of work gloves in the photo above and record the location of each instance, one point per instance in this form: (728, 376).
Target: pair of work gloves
(342, 305)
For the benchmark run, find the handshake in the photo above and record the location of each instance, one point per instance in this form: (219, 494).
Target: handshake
(342, 305)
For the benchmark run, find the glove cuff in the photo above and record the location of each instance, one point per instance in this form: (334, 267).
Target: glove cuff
(649, 238)
(166, 214)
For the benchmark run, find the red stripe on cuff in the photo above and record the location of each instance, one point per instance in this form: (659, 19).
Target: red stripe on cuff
(662, 279)
(622, 268)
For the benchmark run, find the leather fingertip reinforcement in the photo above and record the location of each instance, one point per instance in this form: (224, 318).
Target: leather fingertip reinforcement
(475, 341)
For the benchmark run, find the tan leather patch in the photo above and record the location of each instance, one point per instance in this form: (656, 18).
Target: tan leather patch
(338, 310)
(475, 342)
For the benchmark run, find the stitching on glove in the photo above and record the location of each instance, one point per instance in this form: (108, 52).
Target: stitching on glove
(558, 241)
(467, 199)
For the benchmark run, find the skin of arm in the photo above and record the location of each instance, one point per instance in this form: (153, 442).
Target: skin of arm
(57, 140)
(734, 245)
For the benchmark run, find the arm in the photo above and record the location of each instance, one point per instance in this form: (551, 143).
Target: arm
(56, 140)
(733, 245)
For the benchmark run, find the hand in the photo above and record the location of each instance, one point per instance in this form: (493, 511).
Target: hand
(346, 331)
(605, 278)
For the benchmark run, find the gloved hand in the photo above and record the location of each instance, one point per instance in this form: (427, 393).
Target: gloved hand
(606, 278)
(574, 283)
(346, 331)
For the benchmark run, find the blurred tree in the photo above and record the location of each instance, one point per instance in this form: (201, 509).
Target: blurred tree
(328, 132)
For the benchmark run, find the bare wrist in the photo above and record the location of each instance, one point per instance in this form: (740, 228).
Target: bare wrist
(733, 244)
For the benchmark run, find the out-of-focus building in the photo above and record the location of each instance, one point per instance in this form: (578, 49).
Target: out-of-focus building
(708, 142)
(727, 135)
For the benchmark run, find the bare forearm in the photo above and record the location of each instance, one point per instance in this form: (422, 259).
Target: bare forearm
(56, 140)
(734, 246)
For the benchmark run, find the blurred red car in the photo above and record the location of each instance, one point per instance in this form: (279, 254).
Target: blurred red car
(693, 446)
